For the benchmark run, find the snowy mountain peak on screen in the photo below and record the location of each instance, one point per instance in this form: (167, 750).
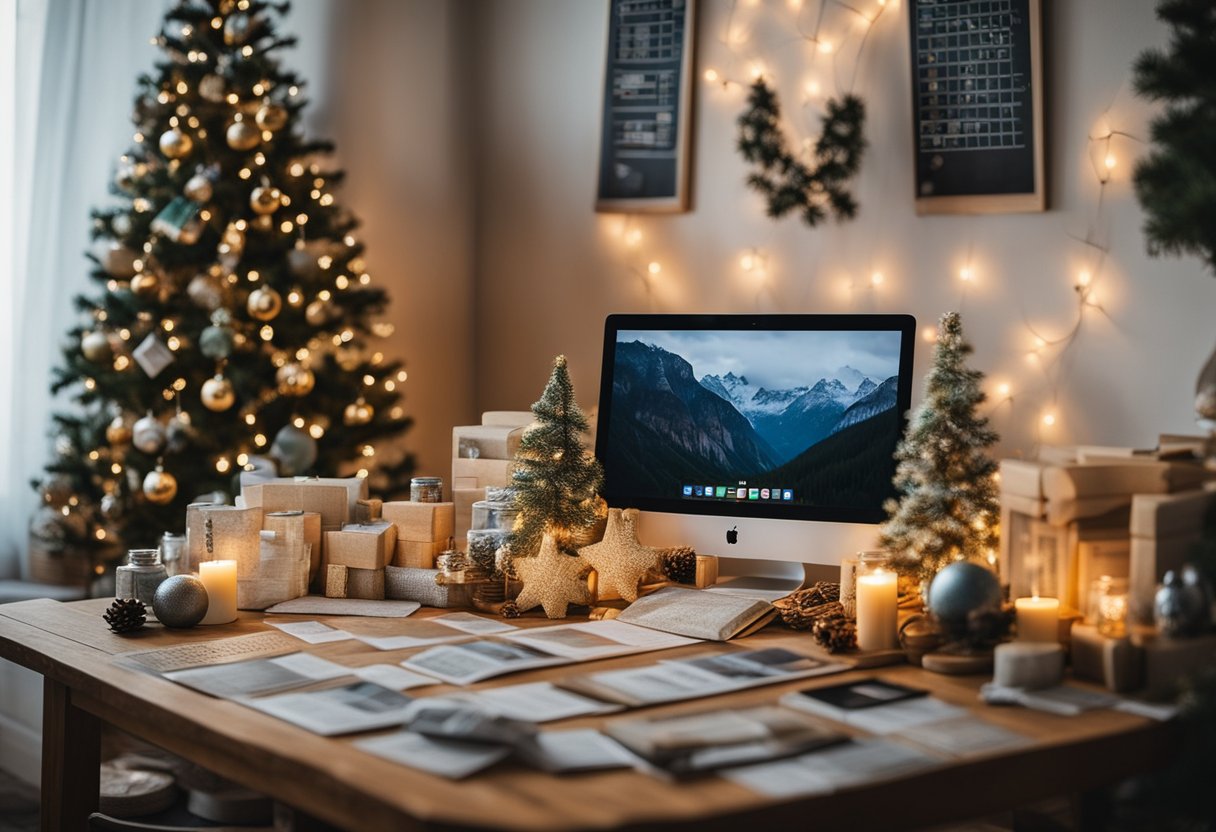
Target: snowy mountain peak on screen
(731, 387)
(852, 378)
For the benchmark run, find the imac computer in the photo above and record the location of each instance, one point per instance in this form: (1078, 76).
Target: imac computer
(767, 440)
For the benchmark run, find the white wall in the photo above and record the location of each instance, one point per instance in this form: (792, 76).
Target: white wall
(385, 78)
(549, 269)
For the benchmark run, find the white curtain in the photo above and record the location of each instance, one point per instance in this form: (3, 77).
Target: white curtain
(67, 82)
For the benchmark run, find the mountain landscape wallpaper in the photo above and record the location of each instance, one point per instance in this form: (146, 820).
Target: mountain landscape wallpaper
(811, 413)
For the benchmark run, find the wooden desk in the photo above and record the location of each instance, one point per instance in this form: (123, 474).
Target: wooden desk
(71, 647)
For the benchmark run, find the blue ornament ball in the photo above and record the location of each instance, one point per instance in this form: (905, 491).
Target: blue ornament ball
(962, 588)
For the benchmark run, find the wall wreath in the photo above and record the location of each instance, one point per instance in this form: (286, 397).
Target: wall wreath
(788, 184)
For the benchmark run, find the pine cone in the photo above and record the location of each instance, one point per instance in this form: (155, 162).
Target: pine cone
(126, 615)
(509, 609)
(799, 610)
(835, 634)
(679, 564)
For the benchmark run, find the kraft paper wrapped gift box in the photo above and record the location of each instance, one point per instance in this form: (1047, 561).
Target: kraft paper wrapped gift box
(419, 585)
(335, 499)
(479, 473)
(1117, 663)
(427, 522)
(1164, 531)
(281, 573)
(485, 441)
(302, 526)
(355, 546)
(235, 535)
(508, 418)
(419, 554)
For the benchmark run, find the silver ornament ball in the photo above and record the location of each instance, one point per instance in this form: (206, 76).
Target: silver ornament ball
(180, 601)
(962, 588)
(294, 450)
(148, 435)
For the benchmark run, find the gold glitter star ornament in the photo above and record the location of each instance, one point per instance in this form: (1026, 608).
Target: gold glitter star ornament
(619, 558)
(552, 580)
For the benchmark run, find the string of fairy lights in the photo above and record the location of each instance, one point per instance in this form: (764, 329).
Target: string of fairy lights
(1046, 353)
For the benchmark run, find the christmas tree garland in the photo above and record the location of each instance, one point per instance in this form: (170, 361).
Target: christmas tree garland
(789, 184)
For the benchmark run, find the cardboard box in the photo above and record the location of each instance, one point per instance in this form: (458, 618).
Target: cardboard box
(421, 521)
(331, 498)
(335, 581)
(1149, 476)
(1116, 663)
(1150, 559)
(367, 584)
(463, 499)
(417, 554)
(361, 547)
(707, 571)
(1170, 515)
(235, 535)
(303, 526)
(1169, 661)
(509, 418)
(478, 473)
(486, 441)
(368, 511)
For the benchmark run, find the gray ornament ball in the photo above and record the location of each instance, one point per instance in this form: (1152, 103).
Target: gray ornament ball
(1180, 609)
(216, 342)
(294, 450)
(180, 601)
(962, 588)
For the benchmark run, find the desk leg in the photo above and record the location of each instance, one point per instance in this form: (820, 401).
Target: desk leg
(71, 756)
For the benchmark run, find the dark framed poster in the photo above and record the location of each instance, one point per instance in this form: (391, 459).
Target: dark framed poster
(647, 107)
(977, 86)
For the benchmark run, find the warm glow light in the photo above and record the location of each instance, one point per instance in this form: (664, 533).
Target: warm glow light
(1084, 278)
(929, 333)
(259, 440)
(812, 88)
(298, 422)
(757, 71)
(711, 75)
(266, 332)
(825, 46)
(966, 274)
(876, 279)
(222, 465)
(1002, 390)
(250, 419)
(655, 267)
(1110, 161)
(316, 431)
(1049, 419)
(747, 262)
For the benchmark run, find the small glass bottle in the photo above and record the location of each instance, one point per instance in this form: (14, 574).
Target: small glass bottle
(426, 490)
(140, 576)
(173, 553)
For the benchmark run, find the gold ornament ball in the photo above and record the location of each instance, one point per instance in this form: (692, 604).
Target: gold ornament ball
(145, 284)
(119, 261)
(272, 117)
(175, 144)
(118, 432)
(265, 200)
(211, 88)
(264, 303)
(242, 135)
(198, 188)
(317, 313)
(358, 413)
(160, 487)
(217, 394)
(295, 379)
(95, 346)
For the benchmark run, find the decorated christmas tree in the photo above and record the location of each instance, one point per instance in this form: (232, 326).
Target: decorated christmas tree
(233, 324)
(556, 479)
(948, 507)
(1176, 180)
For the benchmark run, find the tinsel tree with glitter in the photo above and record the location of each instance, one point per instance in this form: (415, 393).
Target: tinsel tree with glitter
(1176, 179)
(557, 480)
(948, 508)
(234, 321)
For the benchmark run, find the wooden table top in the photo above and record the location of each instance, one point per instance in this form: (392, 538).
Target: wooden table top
(332, 780)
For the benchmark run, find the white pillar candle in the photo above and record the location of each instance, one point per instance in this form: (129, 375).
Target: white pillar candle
(1038, 619)
(219, 578)
(877, 610)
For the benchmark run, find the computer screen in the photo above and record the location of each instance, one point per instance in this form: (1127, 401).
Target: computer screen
(790, 417)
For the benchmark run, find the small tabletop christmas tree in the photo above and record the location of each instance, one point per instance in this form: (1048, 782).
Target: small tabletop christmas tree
(948, 509)
(234, 314)
(556, 479)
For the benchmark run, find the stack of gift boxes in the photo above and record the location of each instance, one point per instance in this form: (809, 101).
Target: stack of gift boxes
(1080, 521)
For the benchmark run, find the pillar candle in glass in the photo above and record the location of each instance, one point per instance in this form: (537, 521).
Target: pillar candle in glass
(877, 602)
(1038, 619)
(219, 578)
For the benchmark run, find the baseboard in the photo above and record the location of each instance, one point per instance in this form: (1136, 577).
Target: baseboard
(20, 751)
